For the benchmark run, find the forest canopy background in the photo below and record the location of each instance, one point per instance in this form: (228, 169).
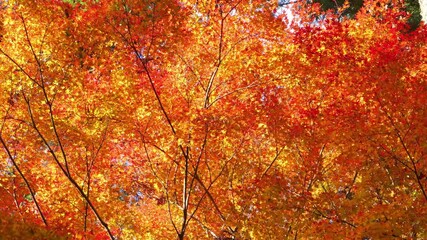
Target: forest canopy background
(222, 119)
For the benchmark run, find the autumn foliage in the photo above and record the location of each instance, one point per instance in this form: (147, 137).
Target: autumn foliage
(225, 119)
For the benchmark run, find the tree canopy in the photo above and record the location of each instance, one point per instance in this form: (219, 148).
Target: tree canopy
(352, 7)
(222, 119)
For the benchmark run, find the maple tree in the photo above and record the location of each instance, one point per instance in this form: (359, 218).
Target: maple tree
(223, 119)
